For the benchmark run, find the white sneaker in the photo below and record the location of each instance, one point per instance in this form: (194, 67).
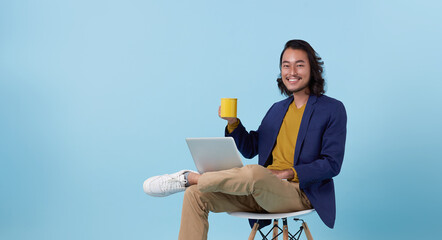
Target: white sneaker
(165, 185)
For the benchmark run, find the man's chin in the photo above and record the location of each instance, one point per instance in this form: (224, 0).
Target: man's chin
(303, 89)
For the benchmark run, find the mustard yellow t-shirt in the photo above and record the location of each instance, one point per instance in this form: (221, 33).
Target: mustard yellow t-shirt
(284, 151)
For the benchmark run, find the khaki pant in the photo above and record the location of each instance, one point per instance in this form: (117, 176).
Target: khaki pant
(251, 188)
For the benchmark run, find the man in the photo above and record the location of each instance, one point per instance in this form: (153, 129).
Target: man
(300, 144)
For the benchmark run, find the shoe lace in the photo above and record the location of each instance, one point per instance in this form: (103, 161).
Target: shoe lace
(174, 183)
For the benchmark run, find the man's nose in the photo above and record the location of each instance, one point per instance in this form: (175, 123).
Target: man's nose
(293, 70)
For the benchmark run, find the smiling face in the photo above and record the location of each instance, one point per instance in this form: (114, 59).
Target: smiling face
(295, 71)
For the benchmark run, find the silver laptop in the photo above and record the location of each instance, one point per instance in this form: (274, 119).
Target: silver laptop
(214, 154)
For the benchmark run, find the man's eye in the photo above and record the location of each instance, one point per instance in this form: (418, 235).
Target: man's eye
(300, 65)
(285, 66)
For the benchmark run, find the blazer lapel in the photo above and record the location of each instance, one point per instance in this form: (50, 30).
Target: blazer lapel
(309, 109)
(280, 117)
(276, 119)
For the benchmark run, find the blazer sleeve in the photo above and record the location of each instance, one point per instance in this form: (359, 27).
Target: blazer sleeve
(329, 162)
(246, 142)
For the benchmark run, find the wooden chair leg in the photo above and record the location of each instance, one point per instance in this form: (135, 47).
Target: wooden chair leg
(275, 229)
(253, 233)
(308, 234)
(285, 230)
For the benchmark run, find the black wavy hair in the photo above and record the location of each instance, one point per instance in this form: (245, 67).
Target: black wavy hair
(317, 82)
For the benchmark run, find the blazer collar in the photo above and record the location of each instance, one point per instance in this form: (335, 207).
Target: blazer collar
(310, 102)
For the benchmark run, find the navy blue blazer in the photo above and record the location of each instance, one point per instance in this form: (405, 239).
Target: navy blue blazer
(319, 150)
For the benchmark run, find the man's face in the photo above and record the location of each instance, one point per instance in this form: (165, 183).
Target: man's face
(295, 70)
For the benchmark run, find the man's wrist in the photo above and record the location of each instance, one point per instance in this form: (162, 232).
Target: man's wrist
(232, 126)
(232, 121)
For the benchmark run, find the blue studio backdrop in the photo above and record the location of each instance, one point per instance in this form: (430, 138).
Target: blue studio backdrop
(96, 96)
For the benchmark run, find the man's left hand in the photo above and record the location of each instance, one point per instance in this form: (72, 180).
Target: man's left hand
(283, 174)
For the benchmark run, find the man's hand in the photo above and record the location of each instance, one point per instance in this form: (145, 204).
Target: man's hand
(283, 174)
(230, 120)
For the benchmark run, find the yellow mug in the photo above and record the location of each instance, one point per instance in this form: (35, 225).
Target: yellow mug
(228, 107)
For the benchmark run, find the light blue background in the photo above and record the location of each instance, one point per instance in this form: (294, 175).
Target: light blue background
(96, 96)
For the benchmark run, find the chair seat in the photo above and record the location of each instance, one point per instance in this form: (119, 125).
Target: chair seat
(270, 216)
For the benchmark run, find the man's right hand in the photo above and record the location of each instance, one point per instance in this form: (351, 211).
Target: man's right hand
(230, 120)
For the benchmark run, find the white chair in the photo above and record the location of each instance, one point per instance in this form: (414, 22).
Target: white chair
(275, 228)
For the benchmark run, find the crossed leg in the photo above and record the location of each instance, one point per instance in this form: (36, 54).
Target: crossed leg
(251, 188)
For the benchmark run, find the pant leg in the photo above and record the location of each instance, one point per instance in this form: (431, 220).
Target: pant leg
(270, 192)
(196, 207)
